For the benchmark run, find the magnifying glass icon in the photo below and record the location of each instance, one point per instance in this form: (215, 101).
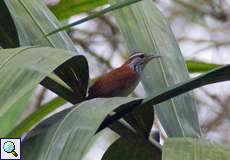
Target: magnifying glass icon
(9, 147)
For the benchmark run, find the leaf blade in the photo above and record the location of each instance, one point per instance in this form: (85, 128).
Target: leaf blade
(18, 78)
(197, 66)
(194, 149)
(82, 130)
(33, 20)
(92, 16)
(125, 150)
(146, 30)
(66, 8)
(35, 117)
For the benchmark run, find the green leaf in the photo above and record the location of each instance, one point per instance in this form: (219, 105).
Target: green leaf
(35, 117)
(46, 124)
(57, 117)
(75, 77)
(59, 88)
(125, 150)
(34, 20)
(8, 32)
(133, 144)
(95, 15)
(145, 29)
(69, 138)
(13, 114)
(141, 119)
(21, 70)
(66, 8)
(194, 149)
(35, 147)
(74, 72)
(217, 75)
(197, 66)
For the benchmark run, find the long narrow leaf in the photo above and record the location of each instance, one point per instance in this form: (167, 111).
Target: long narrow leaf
(196, 66)
(218, 75)
(194, 149)
(56, 118)
(69, 140)
(96, 14)
(11, 117)
(60, 89)
(29, 122)
(66, 8)
(45, 125)
(75, 77)
(18, 78)
(145, 29)
(141, 120)
(124, 150)
(33, 20)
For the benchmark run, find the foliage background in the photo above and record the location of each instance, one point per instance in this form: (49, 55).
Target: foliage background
(201, 28)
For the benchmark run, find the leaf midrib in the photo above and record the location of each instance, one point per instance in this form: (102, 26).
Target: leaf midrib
(36, 22)
(164, 78)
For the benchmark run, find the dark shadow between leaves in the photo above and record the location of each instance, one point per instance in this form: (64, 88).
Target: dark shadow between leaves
(75, 73)
(8, 31)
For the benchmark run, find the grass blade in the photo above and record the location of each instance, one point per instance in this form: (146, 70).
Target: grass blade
(33, 20)
(194, 149)
(145, 29)
(123, 150)
(19, 78)
(96, 14)
(66, 8)
(35, 117)
(197, 66)
(75, 136)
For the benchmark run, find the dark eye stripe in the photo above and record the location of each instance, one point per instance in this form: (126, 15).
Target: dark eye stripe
(142, 56)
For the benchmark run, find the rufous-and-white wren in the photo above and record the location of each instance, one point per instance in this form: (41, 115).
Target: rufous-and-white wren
(121, 81)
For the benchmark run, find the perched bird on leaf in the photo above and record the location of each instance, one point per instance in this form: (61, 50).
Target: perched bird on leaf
(121, 81)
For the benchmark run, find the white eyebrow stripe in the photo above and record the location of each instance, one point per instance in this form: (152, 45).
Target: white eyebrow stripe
(136, 54)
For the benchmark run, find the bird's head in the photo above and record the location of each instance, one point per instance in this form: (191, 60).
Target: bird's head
(138, 60)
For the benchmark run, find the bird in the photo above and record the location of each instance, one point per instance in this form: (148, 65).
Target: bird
(121, 81)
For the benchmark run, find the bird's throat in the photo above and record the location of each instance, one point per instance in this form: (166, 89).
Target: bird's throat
(136, 67)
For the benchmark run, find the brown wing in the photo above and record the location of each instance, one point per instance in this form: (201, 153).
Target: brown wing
(119, 82)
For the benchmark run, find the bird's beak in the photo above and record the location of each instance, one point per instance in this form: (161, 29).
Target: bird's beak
(150, 57)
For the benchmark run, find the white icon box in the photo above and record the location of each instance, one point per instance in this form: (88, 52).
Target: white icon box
(10, 148)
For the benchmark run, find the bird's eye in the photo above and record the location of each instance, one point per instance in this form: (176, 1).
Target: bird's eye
(142, 56)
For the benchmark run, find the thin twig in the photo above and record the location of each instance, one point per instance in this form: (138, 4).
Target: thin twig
(215, 122)
(86, 48)
(218, 15)
(35, 103)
